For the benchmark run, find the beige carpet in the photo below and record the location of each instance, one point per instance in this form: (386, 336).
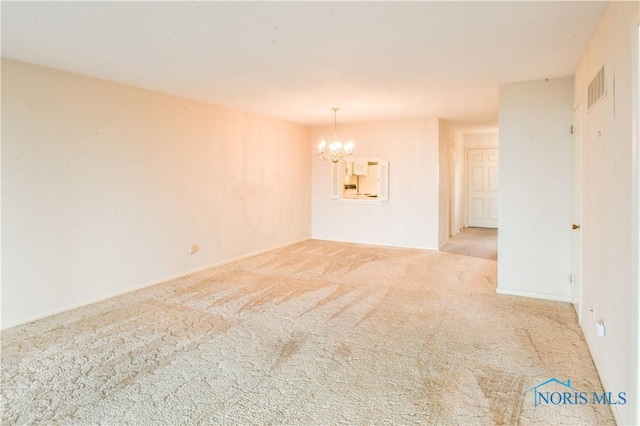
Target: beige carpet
(475, 242)
(315, 333)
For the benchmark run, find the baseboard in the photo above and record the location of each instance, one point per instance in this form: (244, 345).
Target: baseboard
(141, 286)
(533, 295)
(605, 385)
(375, 244)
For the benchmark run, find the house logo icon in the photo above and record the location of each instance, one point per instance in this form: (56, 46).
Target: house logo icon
(557, 392)
(567, 395)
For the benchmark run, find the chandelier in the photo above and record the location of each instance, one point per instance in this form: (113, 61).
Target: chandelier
(337, 151)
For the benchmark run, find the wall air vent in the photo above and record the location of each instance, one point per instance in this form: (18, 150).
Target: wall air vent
(597, 89)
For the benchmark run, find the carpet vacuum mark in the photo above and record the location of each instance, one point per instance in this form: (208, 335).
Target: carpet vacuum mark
(314, 333)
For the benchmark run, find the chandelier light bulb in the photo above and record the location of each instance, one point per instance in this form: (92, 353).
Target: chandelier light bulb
(337, 150)
(348, 148)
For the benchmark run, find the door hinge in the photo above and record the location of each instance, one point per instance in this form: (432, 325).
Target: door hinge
(571, 278)
(572, 129)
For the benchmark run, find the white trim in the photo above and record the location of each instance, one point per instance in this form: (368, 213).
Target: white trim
(375, 244)
(360, 201)
(466, 181)
(635, 225)
(363, 160)
(533, 295)
(451, 172)
(466, 148)
(141, 286)
(605, 385)
(577, 215)
(336, 183)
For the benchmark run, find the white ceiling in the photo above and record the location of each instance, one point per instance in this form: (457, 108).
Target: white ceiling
(296, 60)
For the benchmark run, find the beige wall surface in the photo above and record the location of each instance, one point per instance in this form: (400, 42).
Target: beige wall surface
(609, 232)
(534, 242)
(410, 217)
(455, 141)
(481, 140)
(443, 183)
(105, 186)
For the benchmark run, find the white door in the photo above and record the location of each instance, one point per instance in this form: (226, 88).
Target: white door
(482, 187)
(576, 211)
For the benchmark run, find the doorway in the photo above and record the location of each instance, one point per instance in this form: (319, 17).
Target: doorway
(451, 167)
(474, 242)
(576, 211)
(482, 187)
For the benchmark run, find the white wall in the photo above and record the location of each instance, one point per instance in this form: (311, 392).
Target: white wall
(534, 241)
(610, 239)
(481, 140)
(106, 185)
(410, 217)
(454, 139)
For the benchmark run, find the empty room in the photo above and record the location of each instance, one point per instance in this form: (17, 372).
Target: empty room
(320, 213)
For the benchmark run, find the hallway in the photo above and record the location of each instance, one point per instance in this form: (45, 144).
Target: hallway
(474, 242)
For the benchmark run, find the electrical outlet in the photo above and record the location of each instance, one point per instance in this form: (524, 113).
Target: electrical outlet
(193, 248)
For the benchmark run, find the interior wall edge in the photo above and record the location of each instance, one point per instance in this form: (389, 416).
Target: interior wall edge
(381, 244)
(635, 214)
(532, 295)
(601, 376)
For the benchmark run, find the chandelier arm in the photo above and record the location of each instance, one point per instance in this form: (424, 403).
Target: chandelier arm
(336, 150)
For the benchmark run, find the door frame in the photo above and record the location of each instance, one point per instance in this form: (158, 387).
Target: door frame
(577, 202)
(466, 179)
(635, 166)
(451, 160)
